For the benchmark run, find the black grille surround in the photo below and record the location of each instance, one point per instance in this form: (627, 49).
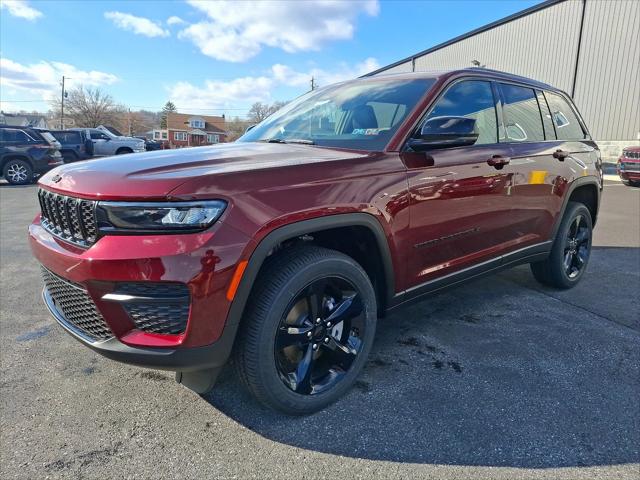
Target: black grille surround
(74, 304)
(69, 218)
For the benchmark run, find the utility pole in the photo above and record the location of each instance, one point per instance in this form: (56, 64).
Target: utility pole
(129, 121)
(62, 106)
(313, 83)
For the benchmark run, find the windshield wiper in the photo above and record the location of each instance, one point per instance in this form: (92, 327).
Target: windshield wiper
(303, 141)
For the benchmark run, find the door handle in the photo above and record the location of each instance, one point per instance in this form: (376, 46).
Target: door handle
(498, 161)
(560, 155)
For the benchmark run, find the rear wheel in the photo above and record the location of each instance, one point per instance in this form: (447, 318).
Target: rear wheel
(307, 331)
(69, 156)
(18, 172)
(570, 251)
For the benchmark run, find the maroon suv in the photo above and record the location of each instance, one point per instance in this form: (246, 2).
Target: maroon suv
(285, 247)
(628, 166)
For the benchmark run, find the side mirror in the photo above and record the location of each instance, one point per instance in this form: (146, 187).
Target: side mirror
(442, 132)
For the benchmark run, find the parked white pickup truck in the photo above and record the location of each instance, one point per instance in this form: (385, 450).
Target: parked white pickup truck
(107, 143)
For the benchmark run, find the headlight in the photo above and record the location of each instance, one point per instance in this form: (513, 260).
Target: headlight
(123, 217)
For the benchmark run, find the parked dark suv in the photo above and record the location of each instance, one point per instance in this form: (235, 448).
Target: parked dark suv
(75, 144)
(24, 153)
(285, 247)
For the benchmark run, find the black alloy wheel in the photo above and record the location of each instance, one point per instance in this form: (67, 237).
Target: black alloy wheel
(307, 330)
(576, 247)
(570, 251)
(320, 336)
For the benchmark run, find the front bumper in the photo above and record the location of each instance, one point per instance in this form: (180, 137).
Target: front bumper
(175, 359)
(204, 262)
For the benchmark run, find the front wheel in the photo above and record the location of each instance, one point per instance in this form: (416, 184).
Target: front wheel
(309, 327)
(123, 151)
(18, 172)
(570, 252)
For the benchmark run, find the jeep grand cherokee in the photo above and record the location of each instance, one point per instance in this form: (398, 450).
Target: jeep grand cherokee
(285, 247)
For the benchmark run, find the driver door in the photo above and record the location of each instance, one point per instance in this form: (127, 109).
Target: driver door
(459, 210)
(100, 143)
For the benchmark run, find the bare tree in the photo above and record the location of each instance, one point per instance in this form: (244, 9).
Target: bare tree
(90, 107)
(259, 111)
(236, 127)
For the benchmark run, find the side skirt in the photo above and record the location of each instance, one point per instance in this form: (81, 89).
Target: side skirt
(533, 253)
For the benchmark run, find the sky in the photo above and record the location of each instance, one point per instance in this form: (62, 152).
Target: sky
(215, 57)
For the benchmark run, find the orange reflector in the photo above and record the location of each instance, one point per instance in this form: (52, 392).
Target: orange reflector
(235, 281)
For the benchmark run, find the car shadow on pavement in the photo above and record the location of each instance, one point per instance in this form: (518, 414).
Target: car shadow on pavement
(499, 372)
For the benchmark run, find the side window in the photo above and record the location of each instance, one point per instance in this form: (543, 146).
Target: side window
(547, 122)
(522, 119)
(567, 125)
(98, 135)
(470, 99)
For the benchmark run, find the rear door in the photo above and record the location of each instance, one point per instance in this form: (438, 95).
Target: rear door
(459, 213)
(537, 177)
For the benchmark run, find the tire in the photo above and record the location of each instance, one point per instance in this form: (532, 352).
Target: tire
(570, 252)
(17, 172)
(124, 150)
(69, 157)
(287, 288)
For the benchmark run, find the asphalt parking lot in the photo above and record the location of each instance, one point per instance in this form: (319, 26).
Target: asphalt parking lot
(495, 379)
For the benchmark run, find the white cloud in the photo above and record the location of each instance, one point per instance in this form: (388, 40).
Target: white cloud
(43, 78)
(173, 20)
(237, 31)
(20, 8)
(137, 25)
(215, 94)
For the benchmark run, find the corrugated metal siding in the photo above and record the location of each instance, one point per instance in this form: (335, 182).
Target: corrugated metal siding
(523, 46)
(402, 68)
(544, 45)
(608, 81)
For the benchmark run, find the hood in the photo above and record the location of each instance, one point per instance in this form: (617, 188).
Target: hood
(155, 174)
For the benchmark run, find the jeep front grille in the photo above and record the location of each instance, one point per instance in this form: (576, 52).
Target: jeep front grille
(71, 219)
(75, 306)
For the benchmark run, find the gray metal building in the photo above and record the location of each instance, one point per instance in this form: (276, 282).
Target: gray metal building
(588, 48)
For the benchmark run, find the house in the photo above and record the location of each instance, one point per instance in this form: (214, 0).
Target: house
(186, 130)
(23, 120)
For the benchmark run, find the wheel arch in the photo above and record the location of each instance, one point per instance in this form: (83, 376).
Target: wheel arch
(14, 156)
(307, 227)
(585, 190)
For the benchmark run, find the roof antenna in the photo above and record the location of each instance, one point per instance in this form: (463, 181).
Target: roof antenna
(477, 64)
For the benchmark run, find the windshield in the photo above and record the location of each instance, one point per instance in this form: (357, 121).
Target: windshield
(360, 115)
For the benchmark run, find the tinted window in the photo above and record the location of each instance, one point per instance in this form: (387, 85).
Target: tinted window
(67, 138)
(471, 99)
(98, 135)
(567, 125)
(362, 114)
(522, 119)
(10, 135)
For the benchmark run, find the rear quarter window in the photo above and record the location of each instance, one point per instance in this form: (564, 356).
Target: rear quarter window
(66, 138)
(564, 118)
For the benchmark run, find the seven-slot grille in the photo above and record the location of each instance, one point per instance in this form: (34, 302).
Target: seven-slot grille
(76, 307)
(72, 219)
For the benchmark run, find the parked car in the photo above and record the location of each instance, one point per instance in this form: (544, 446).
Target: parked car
(25, 153)
(629, 166)
(75, 145)
(286, 246)
(106, 143)
(150, 144)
